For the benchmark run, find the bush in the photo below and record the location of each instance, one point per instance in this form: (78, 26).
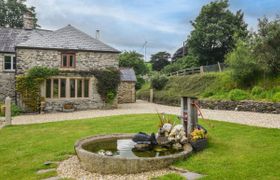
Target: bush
(16, 110)
(238, 94)
(159, 81)
(276, 97)
(257, 91)
(245, 69)
(139, 83)
(107, 84)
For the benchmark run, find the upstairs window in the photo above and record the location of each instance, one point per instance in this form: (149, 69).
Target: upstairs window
(68, 60)
(9, 62)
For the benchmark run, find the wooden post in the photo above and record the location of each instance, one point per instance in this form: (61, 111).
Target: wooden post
(151, 95)
(201, 70)
(219, 65)
(189, 114)
(192, 115)
(8, 115)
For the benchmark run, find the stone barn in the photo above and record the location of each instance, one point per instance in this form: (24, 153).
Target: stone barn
(126, 91)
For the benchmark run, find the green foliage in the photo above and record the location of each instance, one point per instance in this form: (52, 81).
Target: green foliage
(158, 81)
(16, 110)
(139, 83)
(238, 94)
(214, 29)
(12, 11)
(245, 69)
(108, 81)
(181, 63)
(29, 85)
(133, 60)
(160, 60)
(276, 97)
(267, 48)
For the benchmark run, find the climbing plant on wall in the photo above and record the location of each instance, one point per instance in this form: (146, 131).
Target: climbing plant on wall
(29, 85)
(108, 81)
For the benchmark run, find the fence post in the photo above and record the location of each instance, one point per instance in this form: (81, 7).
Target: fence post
(219, 65)
(201, 70)
(151, 95)
(8, 116)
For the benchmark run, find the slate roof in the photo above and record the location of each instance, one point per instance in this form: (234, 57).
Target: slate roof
(9, 37)
(67, 38)
(128, 74)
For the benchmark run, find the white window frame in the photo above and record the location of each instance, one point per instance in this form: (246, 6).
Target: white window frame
(12, 56)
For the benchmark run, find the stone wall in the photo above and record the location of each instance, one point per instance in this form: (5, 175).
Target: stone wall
(92, 102)
(253, 106)
(85, 61)
(126, 92)
(28, 58)
(7, 82)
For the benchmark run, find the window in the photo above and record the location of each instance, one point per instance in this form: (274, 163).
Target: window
(77, 88)
(62, 88)
(68, 60)
(9, 62)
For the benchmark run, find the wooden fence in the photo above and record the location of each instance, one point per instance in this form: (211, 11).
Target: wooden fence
(196, 70)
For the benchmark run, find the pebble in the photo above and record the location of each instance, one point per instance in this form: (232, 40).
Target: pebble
(71, 168)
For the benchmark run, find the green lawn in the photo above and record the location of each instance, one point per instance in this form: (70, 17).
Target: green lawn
(234, 152)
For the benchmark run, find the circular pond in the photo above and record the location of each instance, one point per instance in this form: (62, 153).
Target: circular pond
(123, 158)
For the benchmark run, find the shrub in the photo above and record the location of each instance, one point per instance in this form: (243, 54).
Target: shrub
(159, 81)
(256, 91)
(16, 110)
(139, 83)
(238, 94)
(107, 84)
(245, 69)
(29, 85)
(276, 97)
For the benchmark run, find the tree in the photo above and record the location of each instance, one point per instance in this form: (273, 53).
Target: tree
(160, 60)
(133, 60)
(215, 31)
(267, 46)
(12, 11)
(182, 51)
(181, 63)
(244, 68)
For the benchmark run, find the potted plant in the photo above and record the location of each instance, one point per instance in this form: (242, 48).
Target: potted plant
(68, 107)
(199, 139)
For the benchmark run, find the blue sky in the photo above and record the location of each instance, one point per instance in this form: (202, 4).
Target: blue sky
(127, 24)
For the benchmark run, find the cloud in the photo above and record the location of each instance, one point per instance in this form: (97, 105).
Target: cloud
(128, 24)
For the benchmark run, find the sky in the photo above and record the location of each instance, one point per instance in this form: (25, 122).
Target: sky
(127, 24)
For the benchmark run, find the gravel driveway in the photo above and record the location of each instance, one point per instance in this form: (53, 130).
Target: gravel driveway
(143, 107)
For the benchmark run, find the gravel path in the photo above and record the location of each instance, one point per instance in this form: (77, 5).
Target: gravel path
(71, 168)
(143, 107)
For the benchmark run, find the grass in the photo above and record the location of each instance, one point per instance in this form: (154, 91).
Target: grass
(234, 152)
(212, 86)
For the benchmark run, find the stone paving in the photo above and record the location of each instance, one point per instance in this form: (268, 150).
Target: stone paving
(143, 107)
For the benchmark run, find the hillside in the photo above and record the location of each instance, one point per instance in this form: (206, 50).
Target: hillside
(213, 86)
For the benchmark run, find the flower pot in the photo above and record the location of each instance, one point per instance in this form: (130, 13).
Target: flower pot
(199, 144)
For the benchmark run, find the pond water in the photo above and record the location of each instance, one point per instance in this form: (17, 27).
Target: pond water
(125, 148)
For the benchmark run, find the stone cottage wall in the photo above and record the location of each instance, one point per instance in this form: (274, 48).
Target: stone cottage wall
(28, 58)
(7, 82)
(126, 92)
(85, 61)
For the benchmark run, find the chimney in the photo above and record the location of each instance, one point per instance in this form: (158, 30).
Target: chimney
(28, 20)
(97, 34)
